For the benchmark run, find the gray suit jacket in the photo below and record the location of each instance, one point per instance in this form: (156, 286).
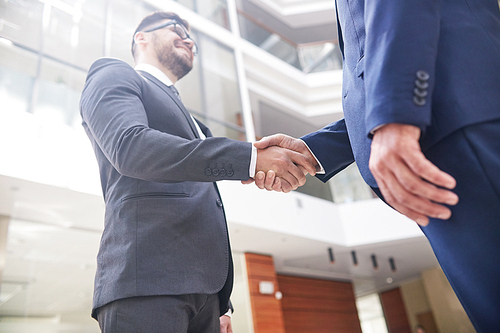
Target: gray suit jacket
(165, 231)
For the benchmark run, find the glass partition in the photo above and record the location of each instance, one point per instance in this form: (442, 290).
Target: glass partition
(269, 41)
(317, 57)
(211, 90)
(349, 186)
(59, 93)
(123, 17)
(74, 31)
(214, 10)
(17, 76)
(21, 22)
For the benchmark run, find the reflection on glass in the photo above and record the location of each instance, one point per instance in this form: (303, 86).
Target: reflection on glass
(214, 10)
(269, 41)
(124, 17)
(320, 57)
(21, 22)
(219, 81)
(17, 73)
(74, 31)
(308, 58)
(59, 94)
(349, 186)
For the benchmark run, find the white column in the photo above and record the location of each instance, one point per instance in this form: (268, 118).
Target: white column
(240, 70)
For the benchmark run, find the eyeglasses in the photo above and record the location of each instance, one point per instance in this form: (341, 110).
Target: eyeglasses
(180, 30)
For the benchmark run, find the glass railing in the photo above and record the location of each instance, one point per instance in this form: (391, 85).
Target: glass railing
(308, 58)
(214, 10)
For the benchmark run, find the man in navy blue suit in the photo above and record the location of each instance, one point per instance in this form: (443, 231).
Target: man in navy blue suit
(421, 99)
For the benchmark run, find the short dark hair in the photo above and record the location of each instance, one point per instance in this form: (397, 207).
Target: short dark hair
(153, 18)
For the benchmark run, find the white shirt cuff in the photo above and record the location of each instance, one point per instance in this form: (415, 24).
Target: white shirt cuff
(253, 162)
(319, 168)
(229, 313)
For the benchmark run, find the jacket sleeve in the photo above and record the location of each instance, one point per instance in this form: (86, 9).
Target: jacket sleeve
(400, 57)
(332, 148)
(114, 116)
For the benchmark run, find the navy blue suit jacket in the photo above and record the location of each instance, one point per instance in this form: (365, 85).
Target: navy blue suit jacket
(434, 64)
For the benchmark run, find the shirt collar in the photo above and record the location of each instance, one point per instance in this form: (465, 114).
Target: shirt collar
(156, 72)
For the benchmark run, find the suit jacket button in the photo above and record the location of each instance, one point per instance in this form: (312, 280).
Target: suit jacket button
(419, 101)
(421, 84)
(208, 172)
(420, 93)
(423, 75)
(215, 172)
(219, 202)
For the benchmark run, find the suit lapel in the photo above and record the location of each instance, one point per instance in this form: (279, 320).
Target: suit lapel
(174, 98)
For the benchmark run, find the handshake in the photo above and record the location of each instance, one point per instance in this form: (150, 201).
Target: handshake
(282, 163)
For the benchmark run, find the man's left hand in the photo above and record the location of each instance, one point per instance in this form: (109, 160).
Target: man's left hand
(409, 182)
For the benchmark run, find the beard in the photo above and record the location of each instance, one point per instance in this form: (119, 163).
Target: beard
(178, 64)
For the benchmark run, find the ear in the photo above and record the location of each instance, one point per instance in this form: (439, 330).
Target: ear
(140, 38)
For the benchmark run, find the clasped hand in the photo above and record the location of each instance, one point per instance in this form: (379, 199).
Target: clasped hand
(282, 163)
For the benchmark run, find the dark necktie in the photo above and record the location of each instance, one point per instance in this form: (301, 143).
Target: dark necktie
(175, 91)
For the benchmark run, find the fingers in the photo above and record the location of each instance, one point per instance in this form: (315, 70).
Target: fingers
(304, 163)
(425, 169)
(280, 161)
(270, 177)
(408, 181)
(248, 181)
(260, 178)
(272, 140)
(415, 207)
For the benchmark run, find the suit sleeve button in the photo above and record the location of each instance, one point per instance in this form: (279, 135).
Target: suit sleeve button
(219, 202)
(208, 172)
(419, 101)
(423, 75)
(215, 172)
(420, 93)
(421, 84)
(230, 172)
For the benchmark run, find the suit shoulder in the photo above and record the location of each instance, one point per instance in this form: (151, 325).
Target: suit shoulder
(111, 67)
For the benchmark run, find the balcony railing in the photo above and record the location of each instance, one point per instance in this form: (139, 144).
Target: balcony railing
(309, 58)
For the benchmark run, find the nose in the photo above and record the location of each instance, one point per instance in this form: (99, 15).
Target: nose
(189, 42)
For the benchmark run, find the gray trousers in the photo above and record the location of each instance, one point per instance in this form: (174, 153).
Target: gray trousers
(195, 313)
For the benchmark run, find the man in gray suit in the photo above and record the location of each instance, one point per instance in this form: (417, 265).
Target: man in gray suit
(164, 263)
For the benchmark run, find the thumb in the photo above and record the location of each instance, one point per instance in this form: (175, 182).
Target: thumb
(272, 140)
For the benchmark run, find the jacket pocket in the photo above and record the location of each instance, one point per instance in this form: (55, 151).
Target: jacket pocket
(154, 195)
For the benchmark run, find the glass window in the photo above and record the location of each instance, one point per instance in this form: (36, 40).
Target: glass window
(214, 10)
(75, 31)
(59, 92)
(211, 91)
(219, 81)
(17, 75)
(21, 22)
(349, 186)
(123, 18)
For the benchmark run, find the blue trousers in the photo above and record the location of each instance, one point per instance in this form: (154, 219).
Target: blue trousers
(467, 245)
